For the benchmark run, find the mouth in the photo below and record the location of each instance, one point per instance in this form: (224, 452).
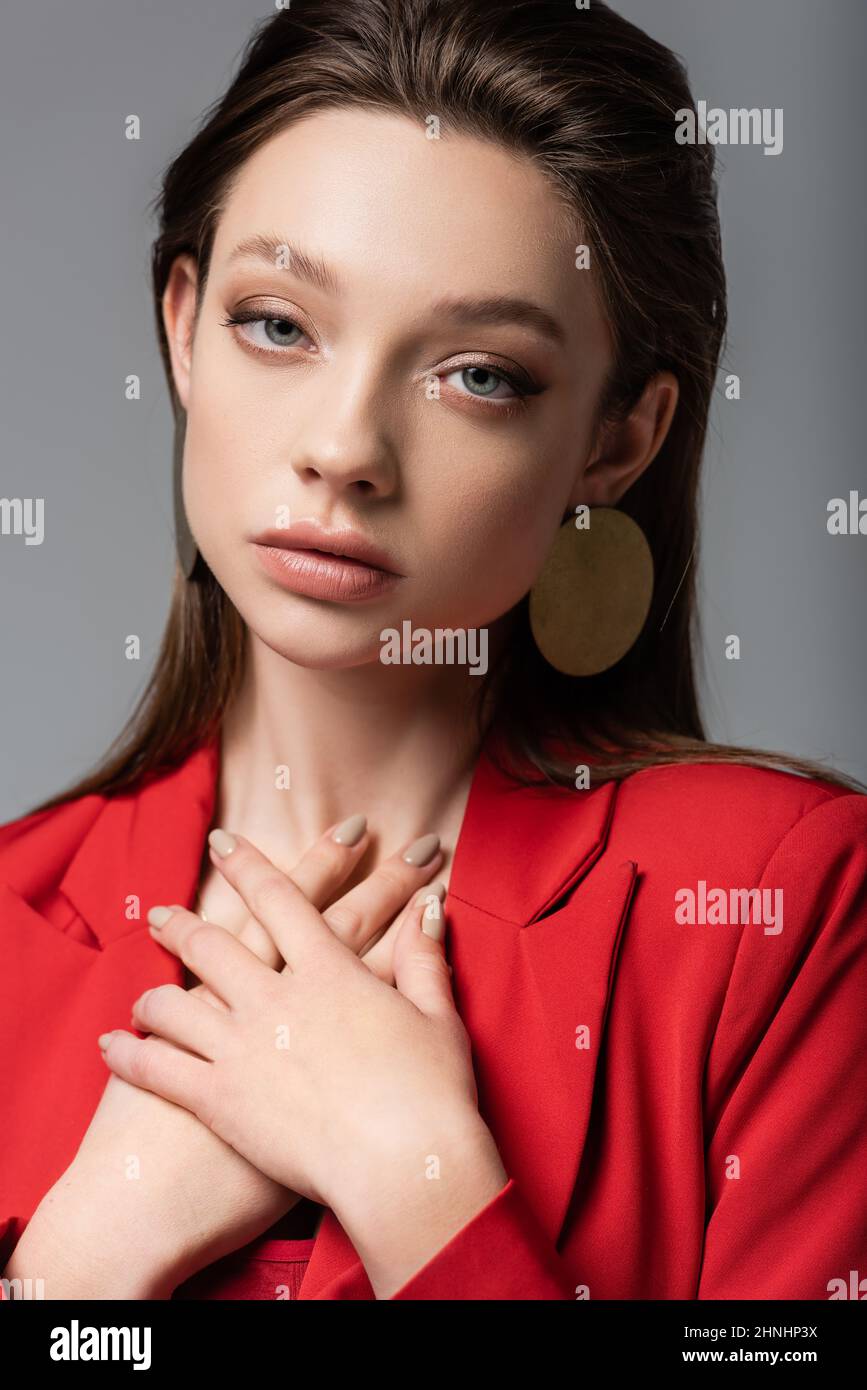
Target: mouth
(336, 565)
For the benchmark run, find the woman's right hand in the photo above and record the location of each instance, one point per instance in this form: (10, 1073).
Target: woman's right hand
(152, 1196)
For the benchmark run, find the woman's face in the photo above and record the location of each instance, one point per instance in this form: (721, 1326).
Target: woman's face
(399, 392)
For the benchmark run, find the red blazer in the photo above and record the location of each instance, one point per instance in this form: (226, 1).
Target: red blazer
(681, 1108)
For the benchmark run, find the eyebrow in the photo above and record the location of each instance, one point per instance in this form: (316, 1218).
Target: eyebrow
(497, 309)
(269, 248)
(503, 309)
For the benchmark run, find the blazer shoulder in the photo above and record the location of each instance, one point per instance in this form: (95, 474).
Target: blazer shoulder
(735, 813)
(753, 791)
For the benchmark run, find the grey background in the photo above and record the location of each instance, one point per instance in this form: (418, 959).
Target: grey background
(77, 318)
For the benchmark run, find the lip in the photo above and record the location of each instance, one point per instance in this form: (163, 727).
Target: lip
(340, 565)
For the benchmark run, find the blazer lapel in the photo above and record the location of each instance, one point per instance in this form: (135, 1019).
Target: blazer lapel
(145, 848)
(532, 938)
(75, 885)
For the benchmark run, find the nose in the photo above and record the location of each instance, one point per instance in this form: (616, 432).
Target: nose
(345, 444)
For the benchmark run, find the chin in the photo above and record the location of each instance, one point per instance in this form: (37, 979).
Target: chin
(312, 646)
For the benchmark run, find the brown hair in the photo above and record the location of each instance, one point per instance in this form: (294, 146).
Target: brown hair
(591, 100)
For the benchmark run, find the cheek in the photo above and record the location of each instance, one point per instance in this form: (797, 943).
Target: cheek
(500, 498)
(220, 457)
(488, 545)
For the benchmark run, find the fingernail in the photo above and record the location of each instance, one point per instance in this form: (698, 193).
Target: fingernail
(350, 831)
(222, 843)
(422, 851)
(104, 1039)
(158, 916)
(437, 887)
(432, 923)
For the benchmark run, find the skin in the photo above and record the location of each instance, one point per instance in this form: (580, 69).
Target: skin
(466, 492)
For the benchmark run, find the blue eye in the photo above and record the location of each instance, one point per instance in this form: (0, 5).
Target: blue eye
(484, 384)
(279, 332)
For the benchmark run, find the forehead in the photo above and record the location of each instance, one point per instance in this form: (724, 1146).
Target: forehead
(390, 207)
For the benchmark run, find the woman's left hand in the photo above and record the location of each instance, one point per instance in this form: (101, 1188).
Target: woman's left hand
(355, 1094)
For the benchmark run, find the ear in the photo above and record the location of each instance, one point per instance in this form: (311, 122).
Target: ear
(179, 319)
(624, 448)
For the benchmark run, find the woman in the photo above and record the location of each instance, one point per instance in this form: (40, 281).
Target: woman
(438, 294)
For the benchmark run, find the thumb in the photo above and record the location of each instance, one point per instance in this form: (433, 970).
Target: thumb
(421, 971)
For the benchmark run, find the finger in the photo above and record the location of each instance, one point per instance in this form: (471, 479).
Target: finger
(214, 955)
(178, 1017)
(318, 873)
(157, 1066)
(273, 898)
(365, 911)
(329, 862)
(378, 956)
(421, 971)
(199, 990)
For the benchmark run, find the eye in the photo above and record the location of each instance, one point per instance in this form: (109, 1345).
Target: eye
(263, 334)
(280, 332)
(484, 383)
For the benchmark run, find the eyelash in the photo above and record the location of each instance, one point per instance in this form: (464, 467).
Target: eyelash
(524, 391)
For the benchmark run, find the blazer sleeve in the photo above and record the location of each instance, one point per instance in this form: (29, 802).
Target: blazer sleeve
(502, 1253)
(786, 1078)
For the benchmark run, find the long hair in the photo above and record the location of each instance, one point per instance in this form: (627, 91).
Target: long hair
(592, 100)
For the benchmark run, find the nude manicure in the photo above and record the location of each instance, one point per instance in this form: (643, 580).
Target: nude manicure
(432, 923)
(222, 843)
(437, 887)
(350, 831)
(422, 851)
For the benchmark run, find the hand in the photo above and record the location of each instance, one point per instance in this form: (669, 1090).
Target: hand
(148, 1178)
(321, 1075)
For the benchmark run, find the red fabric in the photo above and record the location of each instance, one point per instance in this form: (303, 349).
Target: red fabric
(275, 1270)
(271, 1267)
(681, 1109)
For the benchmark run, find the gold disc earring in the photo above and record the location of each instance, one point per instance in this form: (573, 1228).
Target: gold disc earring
(185, 544)
(592, 597)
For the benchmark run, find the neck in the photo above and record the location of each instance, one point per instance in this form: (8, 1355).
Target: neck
(304, 749)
